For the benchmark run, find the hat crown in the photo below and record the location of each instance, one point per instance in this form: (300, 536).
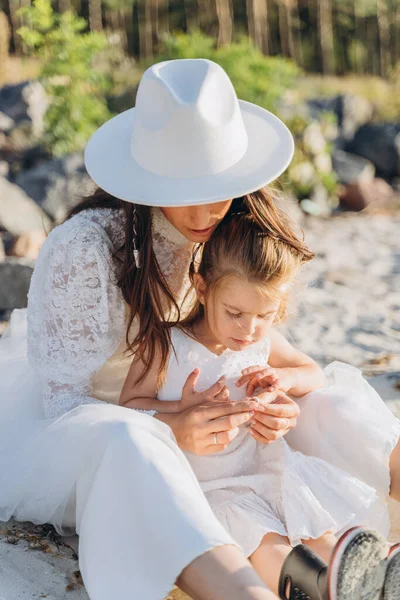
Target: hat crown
(187, 120)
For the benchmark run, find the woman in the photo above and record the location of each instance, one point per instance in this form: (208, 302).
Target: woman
(103, 283)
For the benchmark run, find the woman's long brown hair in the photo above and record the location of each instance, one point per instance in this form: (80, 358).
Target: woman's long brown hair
(146, 290)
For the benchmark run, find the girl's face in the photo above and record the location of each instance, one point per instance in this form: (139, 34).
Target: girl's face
(197, 223)
(237, 313)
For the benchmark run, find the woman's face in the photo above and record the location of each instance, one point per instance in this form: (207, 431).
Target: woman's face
(197, 223)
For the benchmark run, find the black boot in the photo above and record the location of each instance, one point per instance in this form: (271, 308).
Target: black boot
(303, 576)
(357, 570)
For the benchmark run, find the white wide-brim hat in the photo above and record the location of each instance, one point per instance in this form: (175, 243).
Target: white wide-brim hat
(188, 140)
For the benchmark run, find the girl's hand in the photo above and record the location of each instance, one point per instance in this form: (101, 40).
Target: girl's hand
(209, 427)
(276, 415)
(190, 397)
(265, 377)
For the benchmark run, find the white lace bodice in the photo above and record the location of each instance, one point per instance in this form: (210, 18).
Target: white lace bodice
(76, 312)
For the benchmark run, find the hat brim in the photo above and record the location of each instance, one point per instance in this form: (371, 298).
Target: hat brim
(110, 164)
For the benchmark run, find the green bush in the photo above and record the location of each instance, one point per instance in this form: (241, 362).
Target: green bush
(257, 78)
(76, 90)
(311, 168)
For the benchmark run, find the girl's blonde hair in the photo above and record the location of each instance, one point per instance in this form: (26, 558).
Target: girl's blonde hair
(241, 247)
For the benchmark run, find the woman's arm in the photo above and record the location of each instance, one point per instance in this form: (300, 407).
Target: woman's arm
(75, 314)
(298, 373)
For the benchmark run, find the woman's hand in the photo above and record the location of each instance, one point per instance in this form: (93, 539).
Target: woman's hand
(209, 427)
(275, 416)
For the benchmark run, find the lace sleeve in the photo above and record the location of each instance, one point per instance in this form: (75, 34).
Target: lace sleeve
(75, 313)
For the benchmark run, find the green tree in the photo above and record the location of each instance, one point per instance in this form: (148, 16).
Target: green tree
(76, 90)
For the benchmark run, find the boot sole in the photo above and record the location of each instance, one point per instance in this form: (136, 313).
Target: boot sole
(391, 589)
(358, 566)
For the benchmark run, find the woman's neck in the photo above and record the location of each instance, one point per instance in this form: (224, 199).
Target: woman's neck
(173, 253)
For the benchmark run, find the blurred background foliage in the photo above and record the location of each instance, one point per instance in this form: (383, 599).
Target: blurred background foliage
(90, 54)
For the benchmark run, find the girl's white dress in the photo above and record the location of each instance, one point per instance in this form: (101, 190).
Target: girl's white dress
(71, 457)
(255, 489)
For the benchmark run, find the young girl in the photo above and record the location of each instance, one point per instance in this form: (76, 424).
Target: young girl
(269, 497)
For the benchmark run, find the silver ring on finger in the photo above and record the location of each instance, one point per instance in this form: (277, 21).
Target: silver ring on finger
(216, 439)
(287, 423)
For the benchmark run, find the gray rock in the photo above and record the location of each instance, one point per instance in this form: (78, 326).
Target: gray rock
(25, 103)
(351, 168)
(6, 124)
(4, 168)
(15, 277)
(320, 105)
(57, 185)
(379, 143)
(18, 212)
(351, 111)
(28, 244)
(357, 196)
(354, 112)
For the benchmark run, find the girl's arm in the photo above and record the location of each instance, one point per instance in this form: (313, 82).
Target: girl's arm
(296, 371)
(143, 395)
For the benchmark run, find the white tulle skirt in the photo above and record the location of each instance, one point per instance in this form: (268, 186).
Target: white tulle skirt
(118, 478)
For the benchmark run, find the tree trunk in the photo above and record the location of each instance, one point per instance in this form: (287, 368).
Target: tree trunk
(257, 22)
(284, 28)
(145, 29)
(95, 20)
(148, 28)
(112, 19)
(289, 18)
(192, 15)
(124, 15)
(225, 22)
(261, 28)
(162, 18)
(64, 5)
(4, 47)
(396, 29)
(326, 36)
(357, 29)
(296, 33)
(250, 18)
(384, 37)
(13, 6)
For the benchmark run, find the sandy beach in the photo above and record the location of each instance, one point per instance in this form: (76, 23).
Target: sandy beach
(348, 309)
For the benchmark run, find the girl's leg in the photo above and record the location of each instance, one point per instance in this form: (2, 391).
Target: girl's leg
(273, 550)
(395, 473)
(223, 574)
(269, 557)
(323, 546)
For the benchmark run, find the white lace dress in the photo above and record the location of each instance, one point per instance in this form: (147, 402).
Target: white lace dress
(71, 457)
(256, 489)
